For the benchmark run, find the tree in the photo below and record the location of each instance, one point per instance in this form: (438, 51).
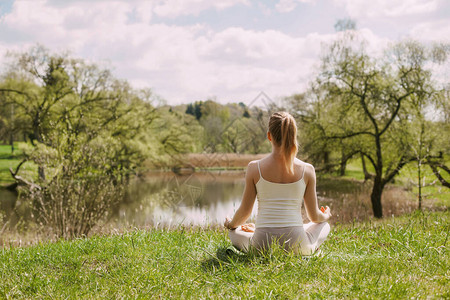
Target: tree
(442, 136)
(235, 137)
(88, 130)
(11, 121)
(195, 109)
(310, 113)
(366, 101)
(345, 24)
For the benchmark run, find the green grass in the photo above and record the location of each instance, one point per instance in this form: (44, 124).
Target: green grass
(12, 160)
(27, 168)
(407, 178)
(354, 170)
(5, 151)
(432, 189)
(399, 258)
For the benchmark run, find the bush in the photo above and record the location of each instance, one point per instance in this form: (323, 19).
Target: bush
(72, 207)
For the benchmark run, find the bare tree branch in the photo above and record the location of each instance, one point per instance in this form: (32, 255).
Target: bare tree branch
(395, 113)
(434, 168)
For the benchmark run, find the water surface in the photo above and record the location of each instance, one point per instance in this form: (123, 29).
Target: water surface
(205, 199)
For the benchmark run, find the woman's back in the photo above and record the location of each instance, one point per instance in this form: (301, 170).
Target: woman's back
(274, 170)
(279, 203)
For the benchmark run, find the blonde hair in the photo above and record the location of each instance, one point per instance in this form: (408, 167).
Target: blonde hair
(283, 130)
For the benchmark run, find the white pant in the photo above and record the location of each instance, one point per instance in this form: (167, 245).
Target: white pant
(300, 239)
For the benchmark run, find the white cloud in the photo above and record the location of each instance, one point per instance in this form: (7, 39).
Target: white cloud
(432, 31)
(388, 8)
(435, 31)
(233, 63)
(69, 26)
(174, 8)
(144, 9)
(180, 63)
(264, 9)
(284, 6)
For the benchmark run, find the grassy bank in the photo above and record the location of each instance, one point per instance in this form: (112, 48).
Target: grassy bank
(404, 257)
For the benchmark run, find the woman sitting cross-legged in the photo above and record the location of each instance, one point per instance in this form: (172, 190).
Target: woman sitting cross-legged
(281, 182)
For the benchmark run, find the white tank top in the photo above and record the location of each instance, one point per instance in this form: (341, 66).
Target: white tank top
(279, 204)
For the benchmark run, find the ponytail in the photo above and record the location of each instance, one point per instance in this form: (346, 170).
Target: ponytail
(283, 129)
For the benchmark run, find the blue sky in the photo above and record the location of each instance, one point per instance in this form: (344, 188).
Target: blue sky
(229, 50)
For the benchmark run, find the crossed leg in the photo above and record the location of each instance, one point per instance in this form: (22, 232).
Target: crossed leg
(316, 233)
(241, 239)
(306, 239)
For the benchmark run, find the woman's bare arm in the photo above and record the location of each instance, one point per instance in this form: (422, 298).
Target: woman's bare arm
(248, 199)
(312, 208)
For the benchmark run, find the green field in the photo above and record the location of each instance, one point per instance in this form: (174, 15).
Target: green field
(12, 160)
(405, 257)
(407, 179)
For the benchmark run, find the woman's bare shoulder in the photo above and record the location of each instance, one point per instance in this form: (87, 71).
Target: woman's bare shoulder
(252, 166)
(302, 163)
(252, 172)
(253, 163)
(308, 169)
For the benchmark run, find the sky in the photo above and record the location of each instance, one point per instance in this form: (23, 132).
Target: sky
(227, 50)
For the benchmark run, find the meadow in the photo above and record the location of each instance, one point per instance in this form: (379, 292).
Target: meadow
(394, 258)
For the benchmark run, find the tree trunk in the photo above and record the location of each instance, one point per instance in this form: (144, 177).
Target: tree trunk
(343, 165)
(38, 137)
(326, 161)
(41, 173)
(419, 165)
(366, 173)
(378, 183)
(11, 141)
(375, 197)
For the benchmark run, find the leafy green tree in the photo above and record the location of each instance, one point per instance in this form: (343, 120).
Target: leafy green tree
(309, 111)
(87, 128)
(195, 109)
(235, 137)
(11, 122)
(365, 101)
(179, 133)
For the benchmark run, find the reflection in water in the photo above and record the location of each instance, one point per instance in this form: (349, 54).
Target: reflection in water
(7, 201)
(207, 198)
(165, 199)
(170, 200)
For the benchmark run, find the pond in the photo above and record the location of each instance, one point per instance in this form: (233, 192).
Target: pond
(205, 199)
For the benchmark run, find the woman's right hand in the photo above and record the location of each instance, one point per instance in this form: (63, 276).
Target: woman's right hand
(249, 227)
